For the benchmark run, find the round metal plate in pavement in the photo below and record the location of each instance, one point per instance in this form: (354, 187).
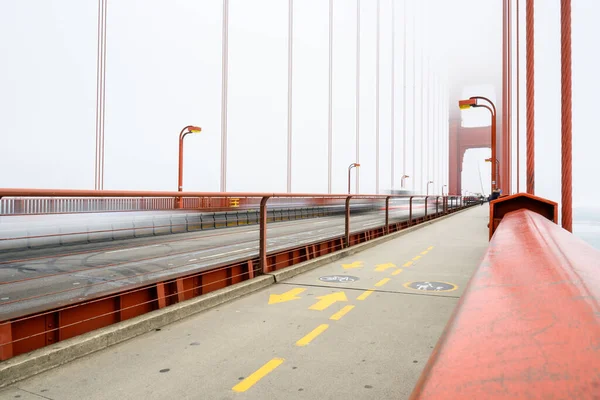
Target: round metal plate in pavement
(431, 286)
(338, 278)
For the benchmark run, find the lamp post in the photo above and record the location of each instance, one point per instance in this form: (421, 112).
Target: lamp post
(349, 169)
(428, 187)
(184, 132)
(496, 167)
(443, 186)
(472, 102)
(402, 180)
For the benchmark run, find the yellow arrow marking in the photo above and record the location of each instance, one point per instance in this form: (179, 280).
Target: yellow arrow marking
(382, 282)
(396, 272)
(430, 248)
(258, 375)
(338, 315)
(327, 300)
(309, 338)
(424, 252)
(366, 294)
(355, 264)
(407, 264)
(287, 296)
(383, 267)
(415, 258)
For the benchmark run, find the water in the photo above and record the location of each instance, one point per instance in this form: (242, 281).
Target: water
(586, 225)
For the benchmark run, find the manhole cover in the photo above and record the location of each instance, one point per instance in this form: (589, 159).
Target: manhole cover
(431, 286)
(338, 278)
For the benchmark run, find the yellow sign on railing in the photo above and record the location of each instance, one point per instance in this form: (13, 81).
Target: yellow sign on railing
(234, 202)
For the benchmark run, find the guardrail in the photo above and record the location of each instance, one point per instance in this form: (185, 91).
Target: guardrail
(123, 299)
(528, 324)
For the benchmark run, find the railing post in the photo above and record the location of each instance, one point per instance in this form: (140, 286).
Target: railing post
(410, 211)
(347, 221)
(262, 246)
(437, 203)
(426, 197)
(387, 215)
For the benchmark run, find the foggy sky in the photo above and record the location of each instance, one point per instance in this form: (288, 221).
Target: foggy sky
(164, 72)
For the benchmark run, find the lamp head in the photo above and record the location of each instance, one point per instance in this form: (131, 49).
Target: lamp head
(466, 104)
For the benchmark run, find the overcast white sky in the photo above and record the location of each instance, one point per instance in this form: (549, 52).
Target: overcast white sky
(164, 72)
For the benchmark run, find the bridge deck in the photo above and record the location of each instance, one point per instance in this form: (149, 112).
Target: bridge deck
(323, 339)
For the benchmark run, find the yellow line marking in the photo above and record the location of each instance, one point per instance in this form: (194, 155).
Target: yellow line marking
(327, 300)
(407, 264)
(316, 332)
(366, 294)
(396, 272)
(430, 248)
(424, 252)
(355, 264)
(415, 258)
(383, 267)
(338, 315)
(257, 375)
(382, 282)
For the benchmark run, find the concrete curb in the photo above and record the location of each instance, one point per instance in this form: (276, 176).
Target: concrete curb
(290, 272)
(26, 365)
(29, 364)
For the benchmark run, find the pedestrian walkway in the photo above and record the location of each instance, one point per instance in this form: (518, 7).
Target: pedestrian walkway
(360, 328)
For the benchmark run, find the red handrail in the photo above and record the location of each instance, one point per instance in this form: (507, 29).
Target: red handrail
(528, 324)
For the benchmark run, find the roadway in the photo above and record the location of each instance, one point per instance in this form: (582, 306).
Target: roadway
(40, 279)
(366, 336)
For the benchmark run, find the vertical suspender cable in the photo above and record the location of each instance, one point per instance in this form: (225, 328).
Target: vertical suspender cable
(566, 121)
(330, 107)
(530, 50)
(289, 99)
(224, 92)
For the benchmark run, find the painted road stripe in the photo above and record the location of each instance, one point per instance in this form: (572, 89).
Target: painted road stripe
(430, 248)
(338, 315)
(407, 264)
(424, 252)
(309, 338)
(382, 282)
(258, 375)
(396, 272)
(366, 294)
(415, 258)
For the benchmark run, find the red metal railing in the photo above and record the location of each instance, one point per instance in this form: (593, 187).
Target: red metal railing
(528, 324)
(23, 333)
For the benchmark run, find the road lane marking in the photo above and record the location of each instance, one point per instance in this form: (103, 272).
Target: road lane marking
(430, 248)
(407, 264)
(312, 335)
(382, 282)
(366, 294)
(383, 267)
(424, 252)
(396, 272)
(327, 300)
(287, 296)
(415, 258)
(338, 315)
(134, 248)
(355, 264)
(258, 375)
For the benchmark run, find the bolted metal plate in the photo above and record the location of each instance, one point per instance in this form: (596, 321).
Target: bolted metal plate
(431, 286)
(338, 278)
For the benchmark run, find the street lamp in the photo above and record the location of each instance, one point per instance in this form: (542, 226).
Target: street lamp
(184, 132)
(443, 186)
(402, 180)
(428, 187)
(349, 169)
(497, 167)
(472, 102)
